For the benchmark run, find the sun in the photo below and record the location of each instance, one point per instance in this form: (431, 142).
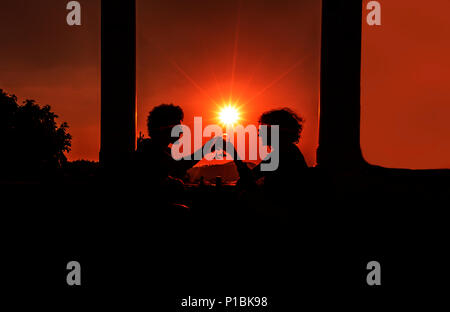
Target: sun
(229, 115)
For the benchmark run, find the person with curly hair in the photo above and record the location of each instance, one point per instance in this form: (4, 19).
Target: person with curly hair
(276, 187)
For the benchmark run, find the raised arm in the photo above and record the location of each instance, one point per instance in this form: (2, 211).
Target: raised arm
(181, 166)
(246, 174)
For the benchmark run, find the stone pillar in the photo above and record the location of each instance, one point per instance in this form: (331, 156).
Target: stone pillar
(340, 86)
(118, 82)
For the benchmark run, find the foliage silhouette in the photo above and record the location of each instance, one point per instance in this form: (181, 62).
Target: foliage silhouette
(32, 141)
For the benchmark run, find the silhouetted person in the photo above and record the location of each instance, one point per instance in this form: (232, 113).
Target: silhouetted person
(278, 189)
(154, 163)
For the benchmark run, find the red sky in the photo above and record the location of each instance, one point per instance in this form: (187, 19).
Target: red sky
(405, 84)
(186, 52)
(42, 58)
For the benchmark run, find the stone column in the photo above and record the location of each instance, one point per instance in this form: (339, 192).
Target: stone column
(340, 86)
(118, 82)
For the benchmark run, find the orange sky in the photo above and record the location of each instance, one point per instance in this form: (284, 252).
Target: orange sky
(186, 52)
(405, 84)
(43, 58)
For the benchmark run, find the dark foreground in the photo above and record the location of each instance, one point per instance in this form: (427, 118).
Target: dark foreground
(134, 252)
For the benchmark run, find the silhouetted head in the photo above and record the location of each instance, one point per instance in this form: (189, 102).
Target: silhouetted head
(291, 124)
(161, 120)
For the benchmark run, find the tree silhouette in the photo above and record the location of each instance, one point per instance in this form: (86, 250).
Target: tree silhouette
(31, 139)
